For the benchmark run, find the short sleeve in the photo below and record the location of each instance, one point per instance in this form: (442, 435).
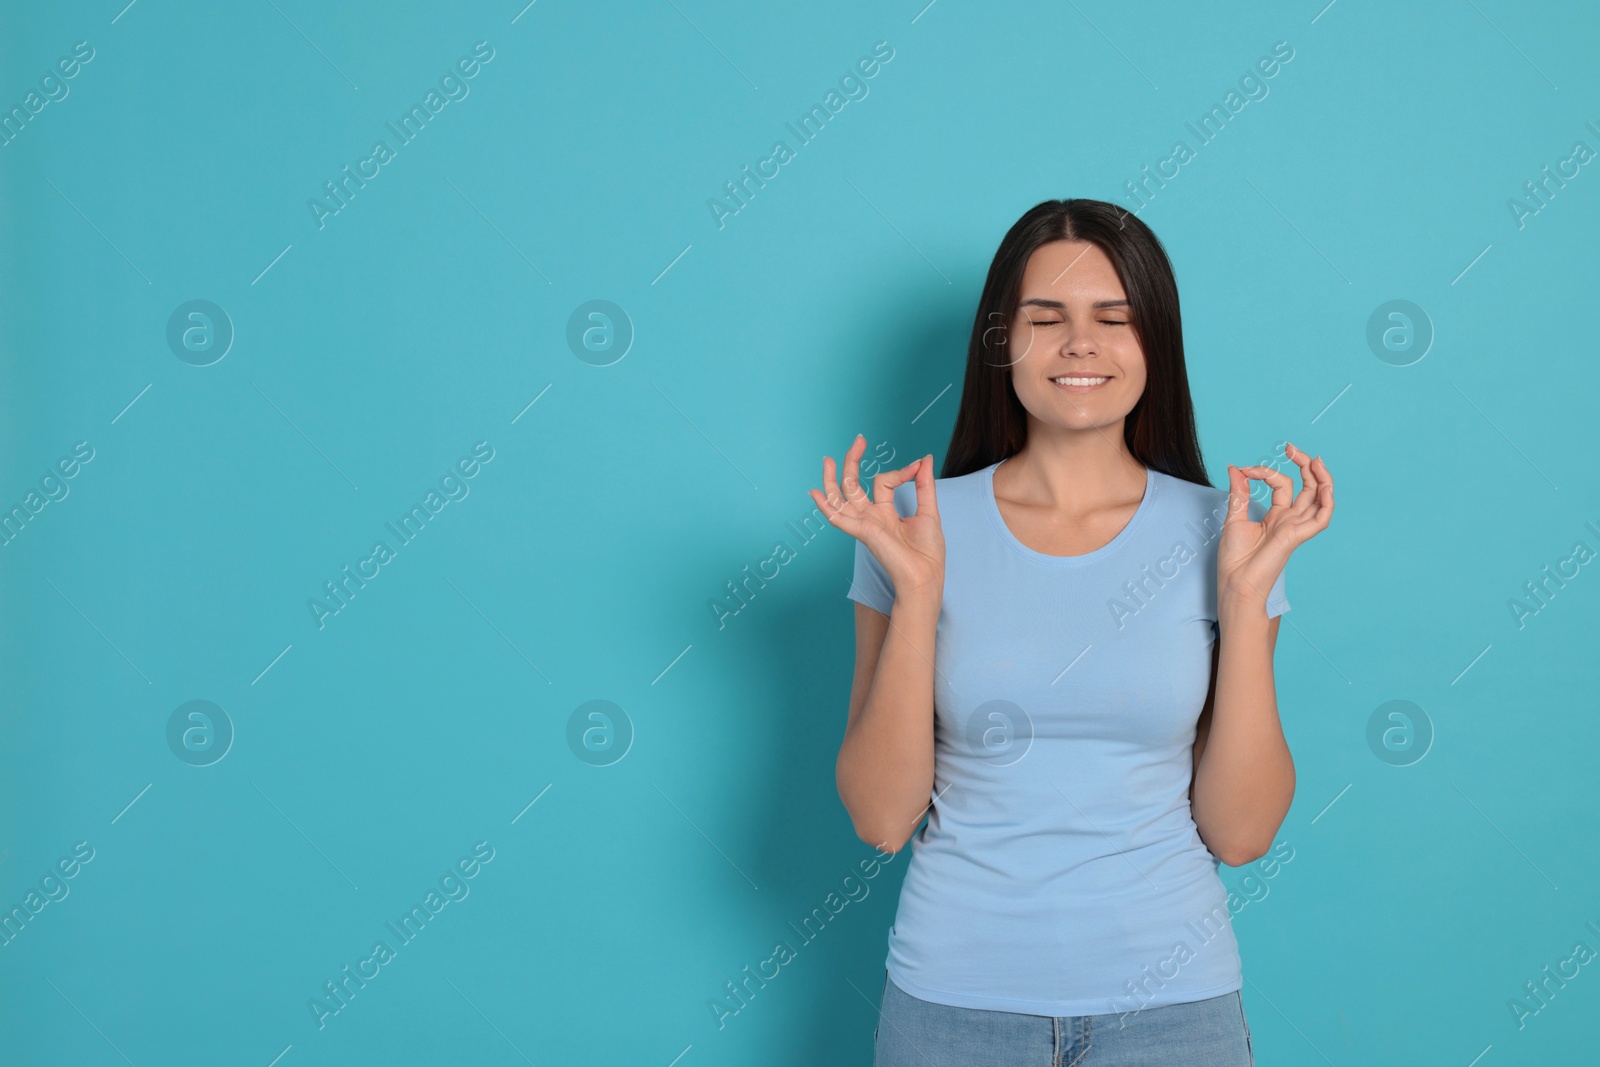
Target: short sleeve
(1277, 600)
(870, 584)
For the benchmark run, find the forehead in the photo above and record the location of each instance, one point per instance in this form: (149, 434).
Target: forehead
(1065, 269)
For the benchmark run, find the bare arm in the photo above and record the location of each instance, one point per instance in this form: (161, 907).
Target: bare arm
(885, 766)
(1243, 773)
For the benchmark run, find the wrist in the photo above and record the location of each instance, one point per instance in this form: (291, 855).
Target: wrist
(1240, 590)
(919, 598)
(1241, 610)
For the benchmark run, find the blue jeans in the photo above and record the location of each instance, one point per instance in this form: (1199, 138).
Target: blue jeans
(918, 1033)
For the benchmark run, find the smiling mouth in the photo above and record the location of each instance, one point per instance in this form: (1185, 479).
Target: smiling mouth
(1079, 384)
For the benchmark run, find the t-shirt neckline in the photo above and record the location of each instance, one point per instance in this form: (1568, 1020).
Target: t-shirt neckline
(993, 507)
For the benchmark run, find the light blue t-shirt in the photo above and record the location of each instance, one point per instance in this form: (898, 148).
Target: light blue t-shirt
(1060, 871)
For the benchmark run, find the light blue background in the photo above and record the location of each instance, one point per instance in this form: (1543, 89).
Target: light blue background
(428, 314)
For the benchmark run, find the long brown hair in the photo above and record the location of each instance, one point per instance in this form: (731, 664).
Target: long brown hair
(991, 423)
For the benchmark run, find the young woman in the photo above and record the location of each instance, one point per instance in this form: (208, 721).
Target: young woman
(1065, 644)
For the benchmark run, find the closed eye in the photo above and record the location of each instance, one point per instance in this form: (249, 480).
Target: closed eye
(1058, 322)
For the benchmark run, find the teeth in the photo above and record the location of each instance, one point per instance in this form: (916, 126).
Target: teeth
(1079, 381)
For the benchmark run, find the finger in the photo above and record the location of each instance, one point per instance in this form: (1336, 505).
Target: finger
(1324, 512)
(1316, 518)
(926, 504)
(1238, 495)
(1305, 503)
(830, 484)
(1282, 487)
(832, 500)
(1325, 475)
(883, 484)
(852, 472)
(839, 517)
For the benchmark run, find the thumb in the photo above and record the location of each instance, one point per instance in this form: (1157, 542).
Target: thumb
(1238, 495)
(925, 497)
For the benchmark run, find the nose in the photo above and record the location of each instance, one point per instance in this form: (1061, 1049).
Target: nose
(1079, 341)
(1079, 338)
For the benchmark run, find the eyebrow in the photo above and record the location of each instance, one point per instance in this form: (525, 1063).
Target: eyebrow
(1044, 302)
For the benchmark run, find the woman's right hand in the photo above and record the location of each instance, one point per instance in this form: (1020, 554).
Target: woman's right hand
(910, 549)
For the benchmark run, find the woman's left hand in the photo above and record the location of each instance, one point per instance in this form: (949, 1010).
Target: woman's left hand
(1251, 555)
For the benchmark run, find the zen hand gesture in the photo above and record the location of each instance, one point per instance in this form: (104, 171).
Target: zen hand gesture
(911, 549)
(1251, 555)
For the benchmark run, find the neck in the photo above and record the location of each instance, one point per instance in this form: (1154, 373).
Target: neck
(1073, 470)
